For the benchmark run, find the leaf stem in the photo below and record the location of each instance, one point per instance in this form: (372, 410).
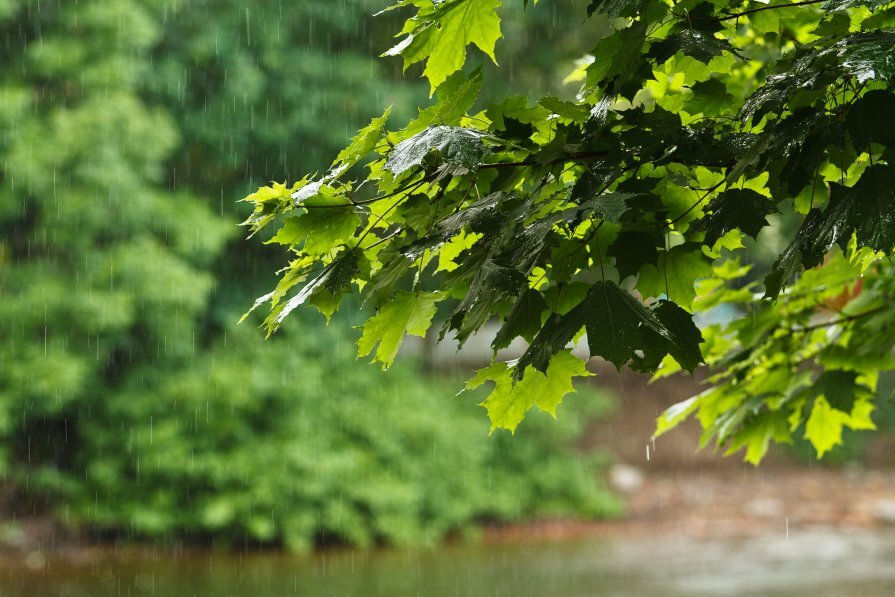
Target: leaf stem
(353, 203)
(695, 205)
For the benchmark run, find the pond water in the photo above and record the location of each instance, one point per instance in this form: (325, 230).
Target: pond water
(816, 563)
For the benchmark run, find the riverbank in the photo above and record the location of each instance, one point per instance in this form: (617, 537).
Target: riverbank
(732, 502)
(774, 531)
(714, 503)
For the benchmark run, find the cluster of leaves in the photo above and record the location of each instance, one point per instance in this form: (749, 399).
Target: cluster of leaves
(618, 214)
(811, 359)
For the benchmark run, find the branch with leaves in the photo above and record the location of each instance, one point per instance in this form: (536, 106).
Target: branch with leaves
(615, 216)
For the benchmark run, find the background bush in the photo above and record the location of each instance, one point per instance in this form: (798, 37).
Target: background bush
(130, 403)
(303, 446)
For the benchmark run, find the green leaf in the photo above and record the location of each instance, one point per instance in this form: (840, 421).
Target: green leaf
(383, 283)
(735, 209)
(455, 97)
(509, 402)
(614, 8)
(709, 97)
(866, 209)
(492, 282)
(593, 181)
(564, 109)
(680, 337)
(701, 45)
(407, 313)
(613, 319)
(460, 150)
(675, 414)
(838, 387)
(832, 5)
(609, 207)
(618, 327)
(442, 38)
(757, 433)
(824, 427)
(859, 417)
(329, 287)
(633, 249)
(523, 320)
(869, 56)
(363, 143)
(320, 229)
(676, 272)
(619, 57)
(452, 249)
(836, 24)
(870, 119)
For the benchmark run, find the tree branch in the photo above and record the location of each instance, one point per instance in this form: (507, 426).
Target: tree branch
(584, 155)
(744, 13)
(354, 203)
(844, 319)
(763, 8)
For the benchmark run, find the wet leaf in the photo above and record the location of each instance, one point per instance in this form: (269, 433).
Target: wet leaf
(510, 401)
(459, 148)
(406, 313)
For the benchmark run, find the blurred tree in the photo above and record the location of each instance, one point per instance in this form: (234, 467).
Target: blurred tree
(128, 397)
(105, 272)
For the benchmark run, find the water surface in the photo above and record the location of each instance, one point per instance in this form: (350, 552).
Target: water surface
(816, 563)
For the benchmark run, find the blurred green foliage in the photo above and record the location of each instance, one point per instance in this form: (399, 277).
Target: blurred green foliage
(302, 449)
(129, 400)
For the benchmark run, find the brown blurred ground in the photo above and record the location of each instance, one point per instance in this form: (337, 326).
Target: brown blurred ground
(699, 493)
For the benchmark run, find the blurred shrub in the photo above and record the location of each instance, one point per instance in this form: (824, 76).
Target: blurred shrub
(289, 441)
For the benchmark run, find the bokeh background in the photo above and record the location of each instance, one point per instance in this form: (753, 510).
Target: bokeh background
(134, 410)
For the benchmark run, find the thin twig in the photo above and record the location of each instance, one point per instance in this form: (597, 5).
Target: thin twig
(354, 203)
(844, 319)
(695, 205)
(744, 13)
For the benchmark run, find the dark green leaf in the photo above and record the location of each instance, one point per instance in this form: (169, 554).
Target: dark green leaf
(609, 207)
(844, 4)
(631, 250)
(460, 149)
(681, 338)
(836, 24)
(838, 387)
(328, 287)
(869, 56)
(867, 209)
(613, 319)
(700, 45)
(615, 8)
(735, 209)
(870, 119)
(523, 320)
(493, 282)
